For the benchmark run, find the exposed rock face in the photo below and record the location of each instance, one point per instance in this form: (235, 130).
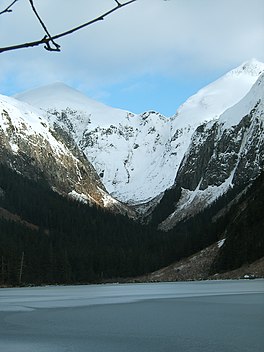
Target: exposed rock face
(222, 154)
(196, 160)
(216, 152)
(251, 159)
(138, 156)
(213, 142)
(29, 146)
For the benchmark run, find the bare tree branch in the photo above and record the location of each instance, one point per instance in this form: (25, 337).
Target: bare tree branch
(47, 39)
(8, 9)
(47, 47)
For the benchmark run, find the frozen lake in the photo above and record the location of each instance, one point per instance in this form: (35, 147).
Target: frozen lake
(215, 316)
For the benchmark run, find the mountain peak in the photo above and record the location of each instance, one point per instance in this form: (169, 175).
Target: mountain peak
(58, 95)
(251, 67)
(211, 101)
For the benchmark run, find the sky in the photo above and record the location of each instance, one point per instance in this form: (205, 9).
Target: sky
(149, 55)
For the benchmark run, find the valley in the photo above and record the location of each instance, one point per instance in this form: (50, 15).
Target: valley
(91, 193)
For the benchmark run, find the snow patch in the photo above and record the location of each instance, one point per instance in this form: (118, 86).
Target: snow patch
(14, 147)
(221, 242)
(80, 197)
(191, 202)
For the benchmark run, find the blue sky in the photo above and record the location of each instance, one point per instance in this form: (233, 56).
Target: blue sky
(159, 93)
(151, 55)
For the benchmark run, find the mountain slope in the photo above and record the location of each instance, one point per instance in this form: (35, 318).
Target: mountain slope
(244, 240)
(29, 146)
(138, 156)
(211, 151)
(122, 146)
(222, 154)
(235, 226)
(64, 241)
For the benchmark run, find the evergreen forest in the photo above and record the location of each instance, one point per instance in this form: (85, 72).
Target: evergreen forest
(46, 238)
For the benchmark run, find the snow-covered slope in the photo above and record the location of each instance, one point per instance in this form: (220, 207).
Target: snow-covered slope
(209, 103)
(29, 146)
(212, 100)
(20, 119)
(138, 156)
(59, 96)
(222, 154)
(128, 151)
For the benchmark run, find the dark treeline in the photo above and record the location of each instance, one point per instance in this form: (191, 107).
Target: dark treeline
(165, 206)
(72, 242)
(241, 223)
(65, 241)
(245, 230)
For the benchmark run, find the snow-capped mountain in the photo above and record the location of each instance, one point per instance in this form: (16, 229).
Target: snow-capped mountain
(138, 156)
(222, 154)
(211, 152)
(29, 146)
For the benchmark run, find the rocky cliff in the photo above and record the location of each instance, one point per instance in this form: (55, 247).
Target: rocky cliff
(138, 156)
(212, 143)
(29, 146)
(223, 154)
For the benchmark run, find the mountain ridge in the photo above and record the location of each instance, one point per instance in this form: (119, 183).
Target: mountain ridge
(131, 151)
(222, 154)
(201, 172)
(29, 146)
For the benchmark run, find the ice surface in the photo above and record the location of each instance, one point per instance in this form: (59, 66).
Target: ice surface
(23, 299)
(195, 317)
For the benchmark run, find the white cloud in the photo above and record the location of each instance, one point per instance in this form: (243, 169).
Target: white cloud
(146, 37)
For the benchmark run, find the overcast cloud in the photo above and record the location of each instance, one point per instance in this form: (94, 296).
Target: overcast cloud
(170, 39)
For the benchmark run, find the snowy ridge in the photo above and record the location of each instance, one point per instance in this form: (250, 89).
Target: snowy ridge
(21, 119)
(232, 150)
(30, 146)
(122, 147)
(254, 99)
(138, 156)
(59, 96)
(251, 67)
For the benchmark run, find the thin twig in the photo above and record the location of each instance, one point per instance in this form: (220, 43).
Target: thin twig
(8, 9)
(100, 18)
(47, 47)
(46, 40)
